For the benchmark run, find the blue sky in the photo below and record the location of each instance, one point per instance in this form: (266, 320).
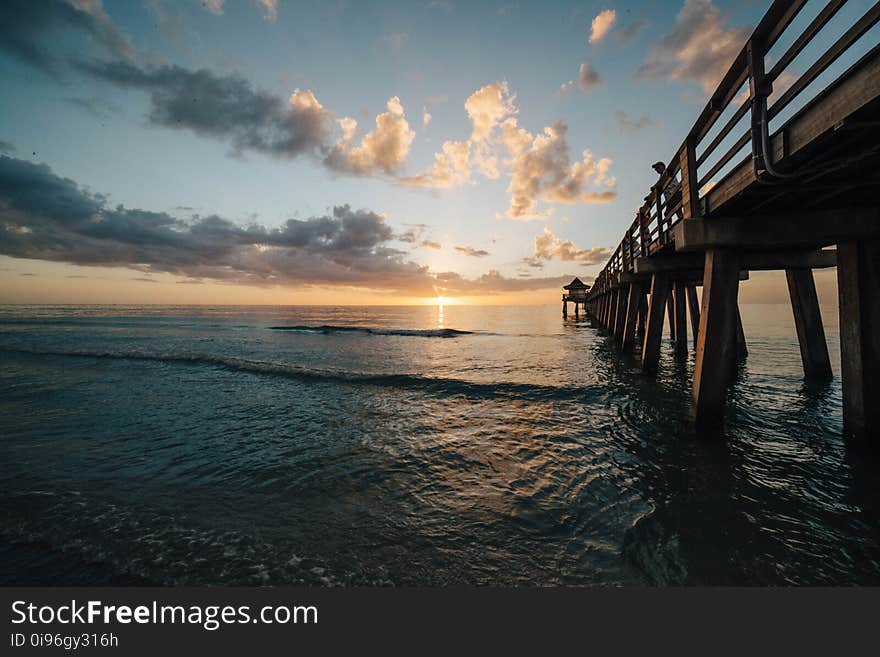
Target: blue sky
(354, 57)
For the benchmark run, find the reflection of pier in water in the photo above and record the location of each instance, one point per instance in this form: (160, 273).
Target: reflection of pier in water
(807, 185)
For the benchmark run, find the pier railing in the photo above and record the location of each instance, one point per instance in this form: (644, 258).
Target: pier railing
(682, 191)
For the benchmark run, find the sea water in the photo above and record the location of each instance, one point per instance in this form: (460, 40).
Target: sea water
(413, 446)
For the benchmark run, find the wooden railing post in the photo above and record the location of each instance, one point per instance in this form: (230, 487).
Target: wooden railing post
(690, 192)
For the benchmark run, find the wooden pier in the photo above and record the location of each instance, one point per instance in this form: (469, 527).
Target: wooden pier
(576, 293)
(802, 196)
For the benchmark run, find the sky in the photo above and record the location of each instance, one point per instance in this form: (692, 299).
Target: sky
(264, 151)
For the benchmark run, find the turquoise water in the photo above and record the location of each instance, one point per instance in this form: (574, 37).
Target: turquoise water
(412, 446)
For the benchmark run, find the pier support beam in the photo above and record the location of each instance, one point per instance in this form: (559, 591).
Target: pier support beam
(612, 309)
(633, 306)
(694, 312)
(620, 311)
(680, 314)
(670, 312)
(858, 282)
(716, 343)
(808, 323)
(654, 327)
(643, 313)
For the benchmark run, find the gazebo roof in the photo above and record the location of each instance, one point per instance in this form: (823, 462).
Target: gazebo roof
(576, 284)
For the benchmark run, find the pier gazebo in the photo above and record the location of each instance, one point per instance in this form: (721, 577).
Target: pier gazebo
(576, 292)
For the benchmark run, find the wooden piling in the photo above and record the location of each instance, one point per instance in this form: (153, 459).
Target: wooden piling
(670, 313)
(858, 279)
(716, 341)
(680, 315)
(633, 306)
(694, 312)
(654, 327)
(620, 311)
(742, 348)
(808, 323)
(643, 313)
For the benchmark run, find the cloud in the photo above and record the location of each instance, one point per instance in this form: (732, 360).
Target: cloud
(214, 6)
(95, 106)
(429, 244)
(538, 166)
(451, 167)
(493, 282)
(426, 117)
(601, 25)
(46, 217)
(270, 10)
(438, 100)
(226, 107)
(628, 33)
(550, 247)
(541, 170)
(487, 107)
(6, 147)
(566, 87)
(699, 49)
(26, 27)
(628, 125)
(383, 150)
(470, 251)
(588, 78)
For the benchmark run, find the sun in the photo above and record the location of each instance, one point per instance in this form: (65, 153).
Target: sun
(440, 301)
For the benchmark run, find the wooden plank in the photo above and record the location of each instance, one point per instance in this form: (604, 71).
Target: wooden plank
(858, 281)
(716, 342)
(808, 323)
(670, 312)
(774, 231)
(749, 260)
(654, 326)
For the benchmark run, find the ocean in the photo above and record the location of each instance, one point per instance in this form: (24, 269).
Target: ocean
(412, 446)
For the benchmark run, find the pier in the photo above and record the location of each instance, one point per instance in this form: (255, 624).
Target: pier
(576, 293)
(742, 194)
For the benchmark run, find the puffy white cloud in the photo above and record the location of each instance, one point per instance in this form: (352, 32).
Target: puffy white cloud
(426, 117)
(451, 167)
(541, 170)
(538, 165)
(383, 150)
(601, 25)
(700, 48)
(550, 247)
(588, 78)
(487, 107)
